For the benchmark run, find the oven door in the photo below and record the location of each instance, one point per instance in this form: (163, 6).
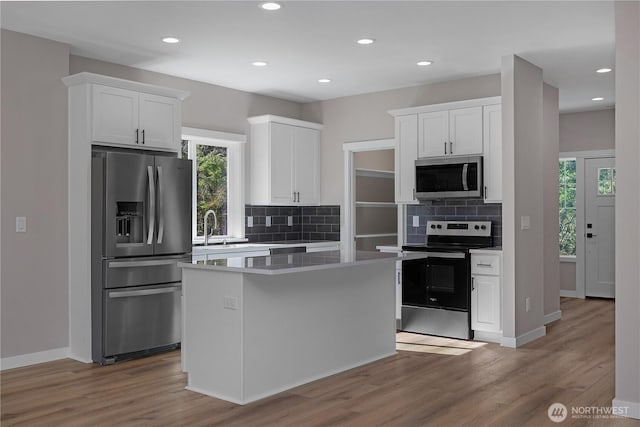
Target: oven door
(439, 281)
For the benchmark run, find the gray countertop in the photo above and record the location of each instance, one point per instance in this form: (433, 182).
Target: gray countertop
(294, 263)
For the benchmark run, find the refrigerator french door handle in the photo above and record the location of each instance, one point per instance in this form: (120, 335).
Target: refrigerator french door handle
(465, 184)
(160, 205)
(152, 205)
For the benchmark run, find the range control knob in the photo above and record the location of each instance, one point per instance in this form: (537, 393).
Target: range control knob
(484, 227)
(439, 226)
(477, 227)
(433, 226)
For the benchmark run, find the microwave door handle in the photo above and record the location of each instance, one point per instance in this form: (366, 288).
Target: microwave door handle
(160, 205)
(152, 205)
(465, 184)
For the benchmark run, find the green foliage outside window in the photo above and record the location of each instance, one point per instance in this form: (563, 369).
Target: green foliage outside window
(211, 163)
(567, 204)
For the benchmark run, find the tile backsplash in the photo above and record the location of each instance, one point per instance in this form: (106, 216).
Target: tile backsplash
(308, 223)
(453, 210)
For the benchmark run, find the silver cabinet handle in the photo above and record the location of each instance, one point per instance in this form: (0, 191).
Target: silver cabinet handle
(294, 197)
(137, 134)
(126, 294)
(450, 147)
(160, 203)
(298, 197)
(414, 194)
(445, 147)
(143, 136)
(484, 265)
(152, 205)
(473, 283)
(485, 191)
(465, 169)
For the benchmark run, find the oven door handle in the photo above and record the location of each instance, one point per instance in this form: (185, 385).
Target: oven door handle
(450, 255)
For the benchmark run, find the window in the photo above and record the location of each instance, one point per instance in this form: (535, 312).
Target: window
(567, 169)
(606, 181)
(217, 183)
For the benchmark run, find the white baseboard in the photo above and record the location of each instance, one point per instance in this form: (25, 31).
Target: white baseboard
(524, 338)
(570, 294)
(633, 410)
(487, 336)
(552, 317)
(33, 358)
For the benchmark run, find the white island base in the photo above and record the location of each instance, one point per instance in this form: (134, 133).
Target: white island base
(250, 335)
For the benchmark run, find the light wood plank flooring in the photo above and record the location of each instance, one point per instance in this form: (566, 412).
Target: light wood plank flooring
(489, 385)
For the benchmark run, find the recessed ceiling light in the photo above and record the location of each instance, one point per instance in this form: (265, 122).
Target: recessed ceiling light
(324, 80)
(424, 63)
(366, 40)
(270, 6)
(603, 70)
(597, 99)
(171, 40)
(259, 63)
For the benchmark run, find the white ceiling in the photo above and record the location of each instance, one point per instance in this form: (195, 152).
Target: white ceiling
(308, 40)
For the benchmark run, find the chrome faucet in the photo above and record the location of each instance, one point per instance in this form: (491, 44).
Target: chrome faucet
(215, 225)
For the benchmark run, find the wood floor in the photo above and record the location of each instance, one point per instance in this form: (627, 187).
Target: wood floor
(489, 385)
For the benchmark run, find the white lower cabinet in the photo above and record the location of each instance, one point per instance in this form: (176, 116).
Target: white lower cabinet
(486, 295)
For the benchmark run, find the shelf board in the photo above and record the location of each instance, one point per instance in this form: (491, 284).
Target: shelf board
(374, 173)
(376, 205)
(367, 236)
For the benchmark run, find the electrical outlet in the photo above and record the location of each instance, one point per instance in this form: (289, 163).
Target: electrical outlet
(290, 221)
(231, 303)
(416, 221)
(21, 224)
(249, 221)
(527, 304)
(267, 221)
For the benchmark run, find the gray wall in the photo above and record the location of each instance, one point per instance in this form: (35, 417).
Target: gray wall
(523, 269)
(628, 204)
(551, 227)
(34, 273)
(589, 130)
(364, 117)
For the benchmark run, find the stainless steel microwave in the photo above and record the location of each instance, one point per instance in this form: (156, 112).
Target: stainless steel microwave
(448, 177)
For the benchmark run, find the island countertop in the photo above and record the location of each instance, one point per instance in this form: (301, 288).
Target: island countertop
(297, 262)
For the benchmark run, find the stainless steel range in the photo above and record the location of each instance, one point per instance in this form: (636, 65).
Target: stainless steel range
(436, 291)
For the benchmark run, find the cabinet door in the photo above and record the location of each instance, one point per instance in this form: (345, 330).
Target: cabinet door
(465, 131)
(115, 115)
(433, 134)
(159, 118)
(406, 153)
(492, 147)
(306, 165)
(486, 304)
(281, 163)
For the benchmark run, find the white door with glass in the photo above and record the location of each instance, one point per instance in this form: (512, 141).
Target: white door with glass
(600, 189)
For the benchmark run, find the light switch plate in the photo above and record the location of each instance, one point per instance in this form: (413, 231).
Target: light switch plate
(267, 221)
(290, 221)
(416, 221)
(525, 222)
(21, 224)
(231, 302)
(249, 221)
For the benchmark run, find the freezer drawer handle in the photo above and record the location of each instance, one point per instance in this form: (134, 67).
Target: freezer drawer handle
(127, 294)
(152, 205)
(160, 205)
(148, 263)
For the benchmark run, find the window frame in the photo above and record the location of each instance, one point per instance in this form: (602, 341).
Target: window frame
(235, 145)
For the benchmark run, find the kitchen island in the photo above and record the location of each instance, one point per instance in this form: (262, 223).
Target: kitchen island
(257, 325)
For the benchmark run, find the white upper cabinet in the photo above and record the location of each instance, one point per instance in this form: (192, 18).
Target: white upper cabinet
(284, 159)
(492, 116)
(406, 154)
(127, 117)
(455, 132)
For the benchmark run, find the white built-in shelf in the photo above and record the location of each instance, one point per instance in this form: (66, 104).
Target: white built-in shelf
(376, 204)
(374, 173)
(369, 236)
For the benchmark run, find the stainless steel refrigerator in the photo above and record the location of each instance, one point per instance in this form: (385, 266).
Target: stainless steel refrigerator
(141, 229)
